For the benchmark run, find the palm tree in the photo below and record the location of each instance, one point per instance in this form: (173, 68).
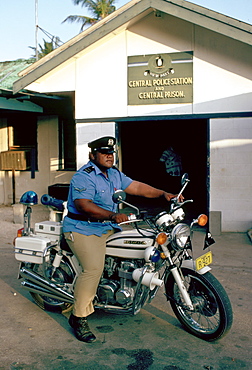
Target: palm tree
(98, 8)
(47, 48)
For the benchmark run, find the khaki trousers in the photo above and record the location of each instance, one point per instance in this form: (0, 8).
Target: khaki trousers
(90, 252)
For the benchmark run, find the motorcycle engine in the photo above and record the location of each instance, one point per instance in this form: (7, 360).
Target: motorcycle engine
(116, 285)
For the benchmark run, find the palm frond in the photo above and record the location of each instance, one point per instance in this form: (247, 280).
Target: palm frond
(99, 9)
(75, 18)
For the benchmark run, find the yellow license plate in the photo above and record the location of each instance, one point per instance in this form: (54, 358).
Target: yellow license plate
(204, 260)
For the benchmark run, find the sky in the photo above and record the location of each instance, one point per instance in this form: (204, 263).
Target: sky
(17, 21)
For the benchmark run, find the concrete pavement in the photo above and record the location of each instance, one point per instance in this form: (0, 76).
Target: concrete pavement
(32, 339)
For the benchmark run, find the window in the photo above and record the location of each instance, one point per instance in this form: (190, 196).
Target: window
(22, 136)
(67, 144)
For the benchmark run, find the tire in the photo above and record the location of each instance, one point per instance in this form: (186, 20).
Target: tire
(63, 274)
(212, 316)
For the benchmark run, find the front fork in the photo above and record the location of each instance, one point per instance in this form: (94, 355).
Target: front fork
(178, 278)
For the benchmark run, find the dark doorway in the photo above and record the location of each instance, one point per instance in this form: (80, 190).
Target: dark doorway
(142, 144)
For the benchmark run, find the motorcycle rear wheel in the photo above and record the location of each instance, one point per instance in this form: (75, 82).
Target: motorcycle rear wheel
(63, 274)
(212, 315)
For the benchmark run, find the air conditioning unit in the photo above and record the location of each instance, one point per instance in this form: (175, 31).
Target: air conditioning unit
(14, 160)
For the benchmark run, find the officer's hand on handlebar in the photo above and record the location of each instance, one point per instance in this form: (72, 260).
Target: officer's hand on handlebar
(119, 217)
(169, 196)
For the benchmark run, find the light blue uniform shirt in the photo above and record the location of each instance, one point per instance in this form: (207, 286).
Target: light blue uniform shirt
(90, 183)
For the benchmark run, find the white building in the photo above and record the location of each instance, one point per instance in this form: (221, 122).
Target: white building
(153, 73)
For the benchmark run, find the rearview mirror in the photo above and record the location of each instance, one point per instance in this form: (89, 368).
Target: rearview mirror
(184, 179)
(119, 196)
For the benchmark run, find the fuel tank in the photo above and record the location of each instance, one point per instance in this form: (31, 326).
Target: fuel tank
(129, 244)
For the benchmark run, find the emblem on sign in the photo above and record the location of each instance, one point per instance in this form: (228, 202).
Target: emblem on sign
(159, 66)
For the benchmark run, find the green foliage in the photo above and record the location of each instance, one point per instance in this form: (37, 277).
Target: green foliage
(99, 9)
(46, 48)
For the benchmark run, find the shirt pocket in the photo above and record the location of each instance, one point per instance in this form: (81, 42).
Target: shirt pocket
(103, 198)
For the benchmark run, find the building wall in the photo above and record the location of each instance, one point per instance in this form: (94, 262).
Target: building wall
(221, 70)
(4, 177)
(88, 132)
(62, 78)
(47, 173)
(231, 172)
(221, 84)
(222, 74)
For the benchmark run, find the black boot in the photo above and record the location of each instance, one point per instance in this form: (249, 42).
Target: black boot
(81, 329)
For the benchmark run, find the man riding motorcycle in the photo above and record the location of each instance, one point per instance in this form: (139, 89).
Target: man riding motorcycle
(92, 217)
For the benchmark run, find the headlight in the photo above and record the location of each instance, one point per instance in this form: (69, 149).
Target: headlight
(179, 236)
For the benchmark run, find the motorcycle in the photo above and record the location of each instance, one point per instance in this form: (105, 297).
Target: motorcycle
(149, 252)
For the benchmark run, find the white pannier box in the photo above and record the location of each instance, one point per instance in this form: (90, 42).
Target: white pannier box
(50, 229)
(31, 248)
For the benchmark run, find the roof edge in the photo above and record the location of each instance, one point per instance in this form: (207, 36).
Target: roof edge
(122, 16)
(79, 43)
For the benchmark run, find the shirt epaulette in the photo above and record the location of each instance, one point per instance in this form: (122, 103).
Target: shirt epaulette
(89, 169)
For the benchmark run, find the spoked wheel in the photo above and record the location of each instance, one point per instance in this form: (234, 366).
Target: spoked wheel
(63, 274)
(211, 317)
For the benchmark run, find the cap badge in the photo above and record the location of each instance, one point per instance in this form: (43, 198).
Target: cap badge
(110, 142)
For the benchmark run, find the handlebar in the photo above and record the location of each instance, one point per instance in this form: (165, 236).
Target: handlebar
(129, 222)
(131, 219)
(179, 205)
(47, 200)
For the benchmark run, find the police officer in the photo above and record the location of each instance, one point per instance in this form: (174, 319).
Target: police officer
(92, 217)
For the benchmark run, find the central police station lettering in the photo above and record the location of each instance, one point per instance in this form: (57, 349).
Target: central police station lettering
(159, 87)
(162, 82)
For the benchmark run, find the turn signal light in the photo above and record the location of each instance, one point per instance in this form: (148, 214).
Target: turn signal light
(20, 232)
(161, 238)
(202, 220)
(162, 255)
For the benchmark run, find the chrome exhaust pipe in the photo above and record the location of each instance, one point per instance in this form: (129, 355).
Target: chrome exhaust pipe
(39, 290)
(44, 287)
(113, 309)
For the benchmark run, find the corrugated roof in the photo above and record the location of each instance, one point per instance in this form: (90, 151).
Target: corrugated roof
(9, 71)
(24, 100)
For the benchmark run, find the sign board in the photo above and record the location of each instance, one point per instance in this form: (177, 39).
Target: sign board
(160, 79)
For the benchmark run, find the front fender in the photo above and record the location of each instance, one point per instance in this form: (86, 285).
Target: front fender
(190, 264)
(187, 264)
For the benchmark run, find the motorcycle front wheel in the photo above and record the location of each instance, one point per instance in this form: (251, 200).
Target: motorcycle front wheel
(212, 316)
(63, 274)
